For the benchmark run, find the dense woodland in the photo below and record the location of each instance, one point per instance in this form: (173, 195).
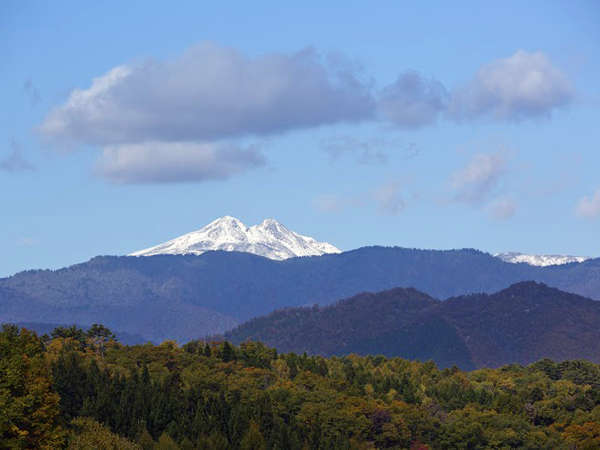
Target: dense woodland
(83, 390)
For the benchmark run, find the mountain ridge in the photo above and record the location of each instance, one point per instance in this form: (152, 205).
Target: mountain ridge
(521, 324)
(212, 292)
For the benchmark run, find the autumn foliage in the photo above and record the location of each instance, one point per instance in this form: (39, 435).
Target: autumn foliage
(85, 390)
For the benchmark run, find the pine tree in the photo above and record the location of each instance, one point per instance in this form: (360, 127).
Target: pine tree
(166, 442)
(227, 354)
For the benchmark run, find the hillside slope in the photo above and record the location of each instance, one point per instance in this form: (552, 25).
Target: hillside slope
(521, 324)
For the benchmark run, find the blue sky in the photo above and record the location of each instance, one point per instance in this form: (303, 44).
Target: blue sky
(423, 124)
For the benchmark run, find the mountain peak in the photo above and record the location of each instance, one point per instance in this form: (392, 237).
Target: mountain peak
(227, 221)
(270, 239)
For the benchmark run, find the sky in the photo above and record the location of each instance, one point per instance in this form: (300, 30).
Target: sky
(414, 124)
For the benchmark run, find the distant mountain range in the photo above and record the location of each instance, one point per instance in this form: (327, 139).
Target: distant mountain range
(521, 324)
(189, 296)
(273, 240)
(540, 260)
(269, 239)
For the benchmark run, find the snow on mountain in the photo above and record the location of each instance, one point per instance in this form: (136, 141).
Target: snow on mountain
(269, 239)
(539, 260)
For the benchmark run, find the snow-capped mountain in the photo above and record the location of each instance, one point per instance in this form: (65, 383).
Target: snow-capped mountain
(539, 260)
(269, 239)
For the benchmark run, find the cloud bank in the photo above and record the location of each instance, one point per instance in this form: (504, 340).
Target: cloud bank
(171, 119)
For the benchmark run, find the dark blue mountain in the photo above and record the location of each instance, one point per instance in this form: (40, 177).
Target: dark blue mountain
(187, 296)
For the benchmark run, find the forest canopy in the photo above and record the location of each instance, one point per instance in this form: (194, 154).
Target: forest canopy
(83, 389)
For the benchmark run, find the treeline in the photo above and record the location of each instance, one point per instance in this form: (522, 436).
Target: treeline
(82, 390)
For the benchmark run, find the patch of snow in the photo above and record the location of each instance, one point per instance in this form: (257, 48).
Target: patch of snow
(539, 260)
(269, 239)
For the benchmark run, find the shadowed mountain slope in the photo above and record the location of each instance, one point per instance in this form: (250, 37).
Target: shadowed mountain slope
(521, 324)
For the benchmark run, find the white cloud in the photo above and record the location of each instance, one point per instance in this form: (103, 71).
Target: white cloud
(522, 85)
(412, 101)
(160, 162)
(208, 93)
(589, 206)
(164, 121)
(478, 180)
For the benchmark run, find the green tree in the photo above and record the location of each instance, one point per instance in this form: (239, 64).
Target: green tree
(227, 353)
(29, 409)
(99, 335)
(166, 442)
(145, 440)
(88, 434)
(72, 334)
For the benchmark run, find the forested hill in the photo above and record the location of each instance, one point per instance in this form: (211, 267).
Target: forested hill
(213, 292)
(83, 390)
(521, 324)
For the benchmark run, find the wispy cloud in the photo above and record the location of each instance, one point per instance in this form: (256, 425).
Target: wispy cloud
(373, 150)
(15, 162)
(503, 208)
(477, 181)
(388, 199)
(588, 207)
